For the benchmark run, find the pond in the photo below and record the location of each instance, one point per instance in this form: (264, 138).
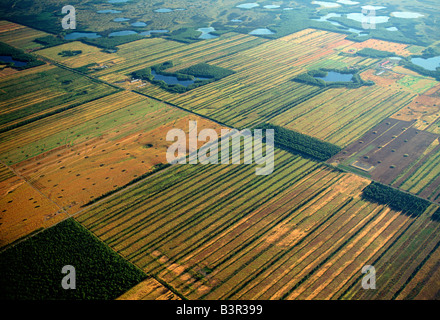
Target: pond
(392, 29)
(261, 31)
(429, 64)
(271, 6)
(206, 33)
(9, 59)
(148, 33)
(173, 80)
(248, 5)
(236, 20)
(138, 24)
(370, 7)
(117, 1)
(108, 11)
(407, 15)
(77, 35)
(349, 2)
(122, 33)
(120, 19)
(360, 17)
(163, 10)
(333, 76)
(326, 4)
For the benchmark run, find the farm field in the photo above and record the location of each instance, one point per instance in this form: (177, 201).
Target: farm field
(149, 289)
(123, 138)
(78, 130)
(41, 91)
(261, 89)
(20, 36)
(228, 240)
(23, 208)
(89, 55)
(396, 153)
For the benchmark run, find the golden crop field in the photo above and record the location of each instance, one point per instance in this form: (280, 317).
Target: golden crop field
(306, 237)
(19, 36)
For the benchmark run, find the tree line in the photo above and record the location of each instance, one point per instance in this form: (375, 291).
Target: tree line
(395, 199)
(305, 145)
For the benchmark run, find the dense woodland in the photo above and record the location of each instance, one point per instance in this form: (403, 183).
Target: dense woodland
(31, 270)
(397, 200)
(296, 142)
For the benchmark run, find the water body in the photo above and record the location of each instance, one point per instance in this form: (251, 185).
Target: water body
(8, 59)
(326, 4)
(78, 35)
(407, 15)
(206, 33)
(173, 80)
(248, 5)
(271, 6)
(429, 64)
(369, 7)
(163, 10)
(148, 33)
(392, 29)
(108, 11)
(236, 20)
(349, 2)
(117, 1)
(328, 16)
(288, 9)
(120, 19)
(261, 31)
(122, 33)
(138, 24)
(360, 17)
(333, 76)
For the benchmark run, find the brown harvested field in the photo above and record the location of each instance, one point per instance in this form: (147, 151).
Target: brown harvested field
(23, 209)
(149, 289)
(398, 48)
(72, 176)
(387, 79)
(391, 153)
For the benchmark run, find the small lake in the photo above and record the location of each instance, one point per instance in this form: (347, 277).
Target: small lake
(326, 4)
(163, 10)
(288, 9)
(333, 76)
(122, 33)
(120, 19)
(392, 29)
(248, 5)
(429, 64)
(108, 11)
(173, 80)
(117, 1)
(369, 7)
(78, 35)
(360, 17)
(206, 33)
(8, 59)
(138, 24)
(149, 32)
(236, 20)
(261, 31)
(407, 15)
(349, 2)
(271, 6)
